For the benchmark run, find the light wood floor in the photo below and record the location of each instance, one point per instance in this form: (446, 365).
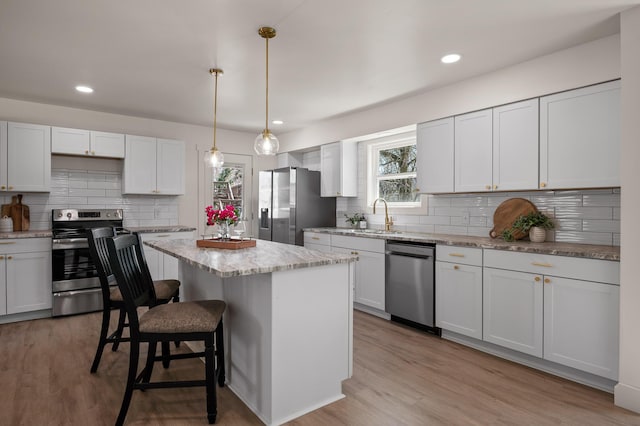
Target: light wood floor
(401, 377)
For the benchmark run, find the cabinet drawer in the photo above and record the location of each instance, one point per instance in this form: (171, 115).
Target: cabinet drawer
(24, 245)
(317, 238)
(166, 235)
(358, 243)
(462, 255)
(604, 271)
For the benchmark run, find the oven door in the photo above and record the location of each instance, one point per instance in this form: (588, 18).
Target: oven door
(72, 262)
(76, 302)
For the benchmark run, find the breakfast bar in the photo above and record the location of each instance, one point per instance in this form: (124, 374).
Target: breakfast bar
(288, 324)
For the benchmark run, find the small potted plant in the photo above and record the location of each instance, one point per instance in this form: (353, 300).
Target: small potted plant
(535, 223)
(354, 220)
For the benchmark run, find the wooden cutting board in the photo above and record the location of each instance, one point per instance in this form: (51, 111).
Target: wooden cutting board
(507, 212)
(20, 215)
(6, 208)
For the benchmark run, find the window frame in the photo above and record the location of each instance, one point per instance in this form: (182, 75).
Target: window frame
(373, 149)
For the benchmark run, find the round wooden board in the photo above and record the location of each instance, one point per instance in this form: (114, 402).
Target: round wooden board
(507, 212)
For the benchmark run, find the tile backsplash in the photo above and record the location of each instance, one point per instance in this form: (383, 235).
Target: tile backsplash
(96, 189)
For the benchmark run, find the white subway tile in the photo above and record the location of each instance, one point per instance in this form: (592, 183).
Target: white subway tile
(478, 231)
(594, 225)
(557, 201)
(455, 230)
(84, 192)
(584, 212)
(616, 239)
(103, 185)
(568, 224)
(616, 213)
(469, 201)
(435, 220)
(612, 200)
(478, 221)
(428, 229)
(584, 237)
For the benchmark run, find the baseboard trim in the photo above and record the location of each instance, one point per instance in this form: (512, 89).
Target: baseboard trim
(627, 396)
(372, 311)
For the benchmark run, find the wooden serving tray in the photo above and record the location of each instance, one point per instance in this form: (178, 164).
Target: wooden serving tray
(229, 245)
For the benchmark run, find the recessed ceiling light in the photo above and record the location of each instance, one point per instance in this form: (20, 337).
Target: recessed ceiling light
(84, 89)
(277, 122)
(450, 59)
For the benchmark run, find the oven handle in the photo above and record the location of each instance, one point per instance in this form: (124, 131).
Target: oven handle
(76, 292)
(69, 243)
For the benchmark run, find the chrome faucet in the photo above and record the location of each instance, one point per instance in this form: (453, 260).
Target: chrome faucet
(387, 220)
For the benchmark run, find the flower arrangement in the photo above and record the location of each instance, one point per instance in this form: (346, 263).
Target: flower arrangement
(227, 215)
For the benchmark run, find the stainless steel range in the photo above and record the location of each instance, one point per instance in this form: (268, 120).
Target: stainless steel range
(76, 286)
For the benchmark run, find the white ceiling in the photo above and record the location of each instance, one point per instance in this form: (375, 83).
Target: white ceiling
(151, 58)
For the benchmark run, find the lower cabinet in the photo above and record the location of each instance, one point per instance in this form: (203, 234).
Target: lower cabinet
(581, 321)
(459, 290)
(162, 266)
(25, 275)
(317, 241)
(369, 269)
(512, 310)
(562, 309)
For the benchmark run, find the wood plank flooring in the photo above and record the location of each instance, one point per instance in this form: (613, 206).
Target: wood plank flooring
(401, 377)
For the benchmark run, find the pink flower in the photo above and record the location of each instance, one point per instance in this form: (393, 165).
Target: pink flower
(227, 215)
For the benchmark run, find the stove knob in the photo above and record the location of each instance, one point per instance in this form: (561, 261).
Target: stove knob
(108, 214)
(59, 214)
(69, 215)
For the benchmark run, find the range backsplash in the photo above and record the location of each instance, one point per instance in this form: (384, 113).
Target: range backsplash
(91, 189)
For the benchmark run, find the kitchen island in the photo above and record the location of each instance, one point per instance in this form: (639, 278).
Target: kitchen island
(288, 323)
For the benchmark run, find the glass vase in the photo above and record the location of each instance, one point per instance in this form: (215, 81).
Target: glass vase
(224, 231)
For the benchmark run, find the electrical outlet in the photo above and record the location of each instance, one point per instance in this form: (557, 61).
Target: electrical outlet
(465, 218)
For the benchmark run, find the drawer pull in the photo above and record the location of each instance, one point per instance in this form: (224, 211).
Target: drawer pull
(456, 254)
(1, 257)
(9, 257)
(537, 279)
(546, 265)
(163, 236)
(456, 267)
(7, 242)
(547, 280)
(315, 238)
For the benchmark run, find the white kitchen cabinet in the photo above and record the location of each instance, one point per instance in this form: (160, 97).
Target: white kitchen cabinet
(512, 310)
(579, 308)
(580, 138)
(515, 146)
(153, 166)
(25, 158)
(369, 269)
(338, 169)
(459, 290)
(581, 323)
(86, 143)
(434, 156)
(317, 241)
(473, 139)
(162, 266)
(25, 275)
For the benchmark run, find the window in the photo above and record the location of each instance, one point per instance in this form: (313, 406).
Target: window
(227, 186)
(392, 171)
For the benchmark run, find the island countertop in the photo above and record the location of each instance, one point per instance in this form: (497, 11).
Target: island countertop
(266, 257)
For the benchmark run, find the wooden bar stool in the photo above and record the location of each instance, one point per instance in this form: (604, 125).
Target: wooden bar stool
(184, 321)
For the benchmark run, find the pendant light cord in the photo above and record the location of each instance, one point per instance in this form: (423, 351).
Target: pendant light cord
(266, 124)
(215, 110)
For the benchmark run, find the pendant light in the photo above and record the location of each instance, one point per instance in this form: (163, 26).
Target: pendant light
(266, 143)
(213, 157)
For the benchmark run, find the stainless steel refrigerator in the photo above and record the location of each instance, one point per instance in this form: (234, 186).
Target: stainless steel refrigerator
(289, 201)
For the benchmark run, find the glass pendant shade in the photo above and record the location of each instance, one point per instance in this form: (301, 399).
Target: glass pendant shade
(214, 158)
(266, 143)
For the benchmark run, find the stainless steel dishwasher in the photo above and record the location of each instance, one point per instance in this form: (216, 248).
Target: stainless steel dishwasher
(410, 288)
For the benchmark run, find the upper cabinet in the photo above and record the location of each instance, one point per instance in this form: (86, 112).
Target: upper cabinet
(153, 166)
(339, 172)
(580, 138)
(434, 156)
(25, 157)
(473, 138)
(515, 146)
(85, 142)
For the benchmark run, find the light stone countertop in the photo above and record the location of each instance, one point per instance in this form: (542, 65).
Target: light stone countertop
(26, 234)
(266, 257)
(556, 248)
(159, 228)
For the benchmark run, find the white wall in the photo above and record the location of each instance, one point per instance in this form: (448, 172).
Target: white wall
(197, 138)
(627, 392)
(575, 67)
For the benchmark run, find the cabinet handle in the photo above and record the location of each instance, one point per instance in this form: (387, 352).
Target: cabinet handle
(7, 242)
(456, 254)
(543, 184)
(86, 152)
(456, 267)
(355, 253)
(487, 187)
(315, 238)
(537, 279)
(4, 187)
(338, 193)
(9, 257)
(547, 280)
(163, 235)
(10, 187)
(93, 153)
(1, 257)
(416, 190)
(495, 186)
(546, 265)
